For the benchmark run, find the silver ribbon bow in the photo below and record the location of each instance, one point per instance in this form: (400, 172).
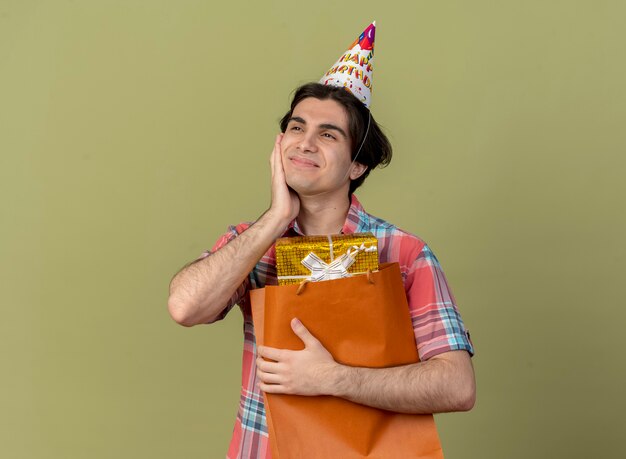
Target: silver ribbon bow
(336, 269)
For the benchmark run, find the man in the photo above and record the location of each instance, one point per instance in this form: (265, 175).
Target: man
(328, 144)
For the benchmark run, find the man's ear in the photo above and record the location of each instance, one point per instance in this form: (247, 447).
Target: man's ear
(357, 170)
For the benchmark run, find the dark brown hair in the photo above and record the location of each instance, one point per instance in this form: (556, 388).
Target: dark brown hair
(376, 150)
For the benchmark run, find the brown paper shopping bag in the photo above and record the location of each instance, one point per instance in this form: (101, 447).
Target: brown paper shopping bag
(361, 324)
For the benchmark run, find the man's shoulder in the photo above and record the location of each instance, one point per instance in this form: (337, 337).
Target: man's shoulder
(382, 227)
(399, 244)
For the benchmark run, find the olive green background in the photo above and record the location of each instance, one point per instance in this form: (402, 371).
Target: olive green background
(132, 133)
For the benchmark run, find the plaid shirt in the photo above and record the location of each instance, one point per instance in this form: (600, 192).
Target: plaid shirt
(436, 321)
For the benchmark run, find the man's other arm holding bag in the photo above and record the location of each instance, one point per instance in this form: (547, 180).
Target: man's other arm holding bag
(444, 383)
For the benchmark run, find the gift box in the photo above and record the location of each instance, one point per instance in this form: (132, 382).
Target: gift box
(318, 258)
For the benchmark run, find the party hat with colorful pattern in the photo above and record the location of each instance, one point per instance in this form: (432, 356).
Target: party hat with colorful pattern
(353, 70)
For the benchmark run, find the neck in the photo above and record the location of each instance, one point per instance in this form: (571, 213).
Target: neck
(321, 214)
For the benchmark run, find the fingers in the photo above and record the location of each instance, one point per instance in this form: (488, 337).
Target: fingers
(268, 373)
(277, 148)
(278, 173)
(273, 156)
(266, 366)
(285, 204)
(277, 160)
(273, 388)
(269, 378)
(305, 335)
(271, 353)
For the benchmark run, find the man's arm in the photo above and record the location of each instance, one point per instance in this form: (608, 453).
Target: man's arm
(201, 290)
(441, 384)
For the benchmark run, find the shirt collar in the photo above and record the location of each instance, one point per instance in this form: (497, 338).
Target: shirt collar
(354, 217)
(351, 225)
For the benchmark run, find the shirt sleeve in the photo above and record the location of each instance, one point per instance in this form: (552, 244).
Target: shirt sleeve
(232, 233)
(436, 320)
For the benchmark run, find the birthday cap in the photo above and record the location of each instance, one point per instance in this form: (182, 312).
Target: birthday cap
(353, 70)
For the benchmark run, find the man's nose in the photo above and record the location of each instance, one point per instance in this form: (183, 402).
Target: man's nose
(308, 143)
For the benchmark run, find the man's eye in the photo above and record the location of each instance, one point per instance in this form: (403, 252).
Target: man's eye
(328, 136)
(296, 128)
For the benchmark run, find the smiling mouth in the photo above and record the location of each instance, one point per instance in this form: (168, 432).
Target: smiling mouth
(302, 162)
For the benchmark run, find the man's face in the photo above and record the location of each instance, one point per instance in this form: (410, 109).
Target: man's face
(316, 149)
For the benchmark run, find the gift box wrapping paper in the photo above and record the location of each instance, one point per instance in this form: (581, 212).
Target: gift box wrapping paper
(317, 258)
